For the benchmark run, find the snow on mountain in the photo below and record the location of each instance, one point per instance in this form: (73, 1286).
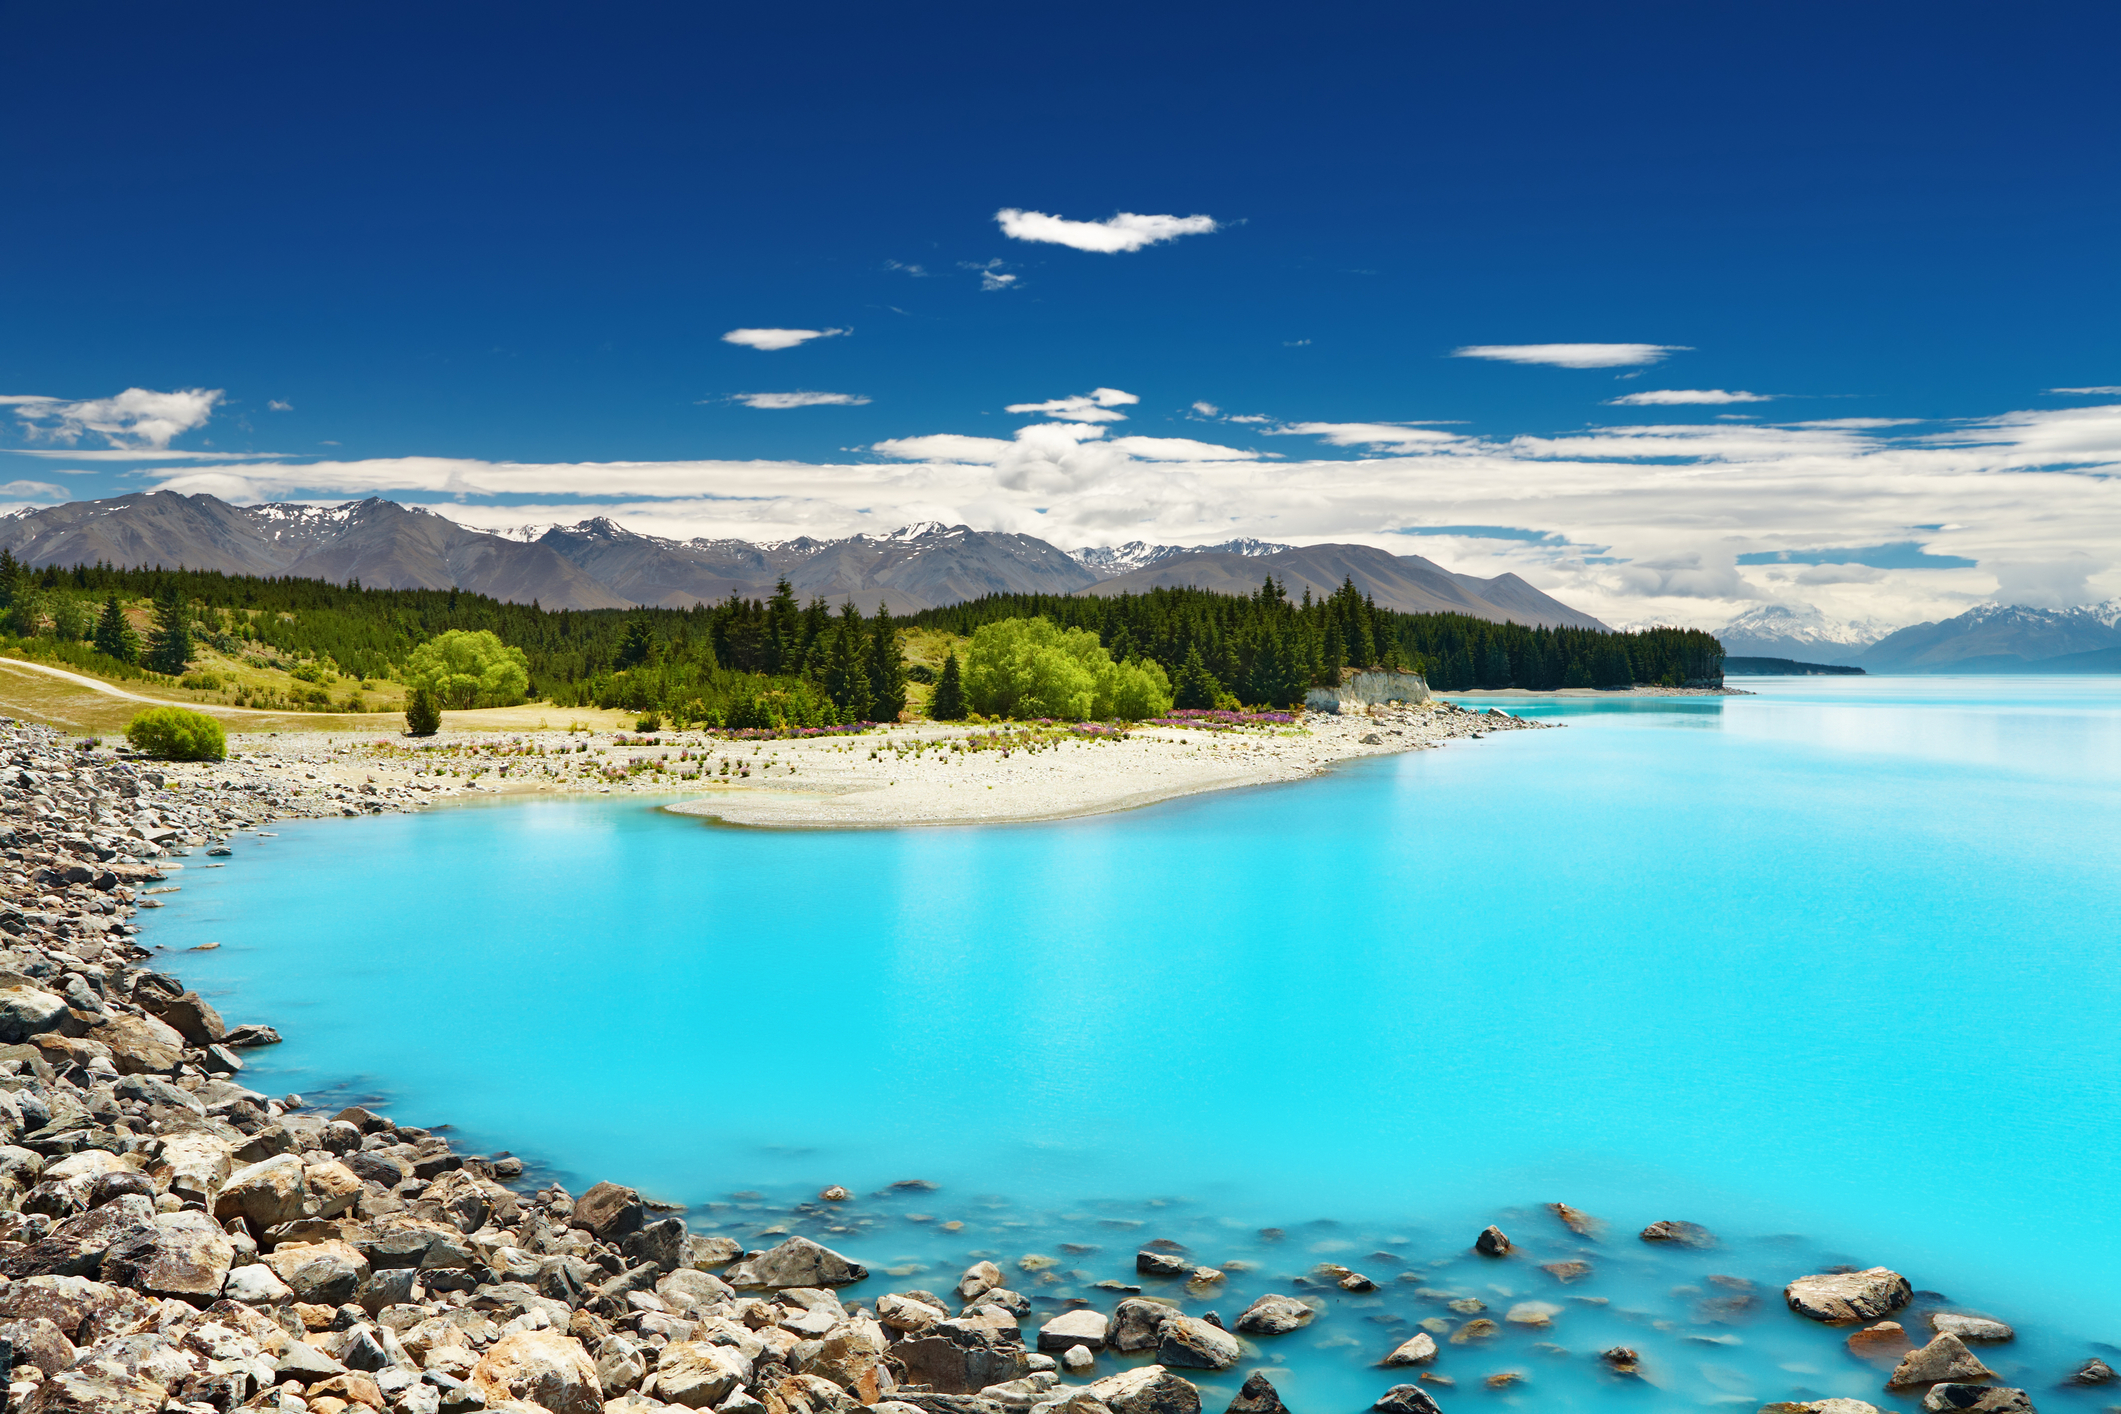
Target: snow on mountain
(1797, 631)
(1112, 561)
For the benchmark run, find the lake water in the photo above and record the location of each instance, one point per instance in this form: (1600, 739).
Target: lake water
(1830, 969)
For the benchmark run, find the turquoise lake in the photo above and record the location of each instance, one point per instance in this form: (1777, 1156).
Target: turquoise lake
(1830, 969)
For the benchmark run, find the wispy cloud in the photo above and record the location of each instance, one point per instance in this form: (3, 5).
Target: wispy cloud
(277, 405)
(991, 278)
(1097, 405)
(1572, 355)
(1679, 397)
(1365, 434)
(916, 271)
(2108, 391)
(1124, 232)
(800, 400)
(43, 490)
(772, 339)
(137, 418)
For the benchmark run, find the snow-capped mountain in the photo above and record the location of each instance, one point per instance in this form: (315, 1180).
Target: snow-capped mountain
(2005, 638)
(1797, 631)
(1107, 561)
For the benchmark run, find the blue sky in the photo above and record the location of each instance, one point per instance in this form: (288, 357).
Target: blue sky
(492, 237)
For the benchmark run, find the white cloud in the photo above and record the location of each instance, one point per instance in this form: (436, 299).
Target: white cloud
(2050, 584)
(990, 274)
(800, 400)
(44, 489)
(1365, 434)
(137, 418)
(1124, 232)
(2110, 390)
(1207, 409)
(276, 405)
(1677, 397)
(1097, 405)
(1572, 355)
(771, 339)
(916, 271)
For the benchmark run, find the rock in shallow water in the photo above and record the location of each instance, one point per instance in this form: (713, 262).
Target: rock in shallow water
(2092, 1372)
(797, 1262)
(1492, 1243)
(1406, 1399)
(1258, 1396)
(1274, 1314)
(1679, 1233)
(1945, 1358)
(1150, 1390)
(1971, 1327)
(1194, 1344)
(1980, 1398)
(1418, 1350)
(1848, 1296)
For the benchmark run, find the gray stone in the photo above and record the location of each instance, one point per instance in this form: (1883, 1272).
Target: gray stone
(979, 1279)
(1984, 1399)
(89, 1391)
(797, 1262)
(256, 1285)
(1406, 1399)
(322, 1273)
(1190, 1343)
(1149, 1390)
(2092, 1372)
(1258, 1396)
(698, 1375)
(1275, 1314)
(1680, 1234)
(1971, 1327)
(1070, 1328)
(1945, 1358)
(27, 1011)
(189, 1015)
(709, 1252)
(1078, 1358)
(303, 1361)
(1492, 1243)
(620, 1366)
(1161, 1264)
(608, 1211)
(662, 1243)
(184, 1255)
(1420, 1349)
(1848, 1296)
(1137, 1323)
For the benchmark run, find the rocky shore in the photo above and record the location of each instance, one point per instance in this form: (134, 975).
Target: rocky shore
(172, 1240)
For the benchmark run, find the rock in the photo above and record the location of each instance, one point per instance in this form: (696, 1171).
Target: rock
(1149, 1390)
(1137, 1322)
(1566, 1272)
(247, 1036)
(140, 1045)
(797, 1262)
(77, 1246)
(333, 1188)
(690, 1286)
(265, 1194)
(1491, 1243)
(1085, 1328)
(964, 1355)
(608, 1211)
(183, 1256)
(544, 1368)
(1532, 1313)
(1981, 1398)
(325, 1273)
(189, 1016)
(834, 1194)
(662, 1243)
(1193, 1344)
(1002, 1298)
(1078, 1358)
(1848, 1296)
(620, 1366)
(91, 1391)
(38, 1341)
(303, 1361)
(2093, 1372)
(1838, 1406)
(1884, 1341)
(1576, 1220)
(1258, 1396)
(706, 1253)
(1945, 1358)
(27, 1011)
(1622, 1360)
(1418, 1350)
(1274, 1314)
(1482, 1329)
(903, 1313)
(1681, 1234)
(256, 1285)
(1406, 1399)
(699, 1375)
(1161, 1264)
(1971, 1327)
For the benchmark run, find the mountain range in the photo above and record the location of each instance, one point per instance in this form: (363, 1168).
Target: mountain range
(599, 564)
(1988, 638)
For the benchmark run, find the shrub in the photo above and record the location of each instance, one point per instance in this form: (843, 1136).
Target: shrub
(202, 682)
(176, 734)
(469, 669)
(423, 712)
(649, 721)
(1031, 668)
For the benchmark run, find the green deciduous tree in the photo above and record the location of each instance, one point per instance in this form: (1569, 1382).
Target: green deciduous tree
(469, 669)
(70, 622)
(1031, 668)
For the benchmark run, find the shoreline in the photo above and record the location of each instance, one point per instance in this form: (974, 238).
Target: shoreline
(229, 1249)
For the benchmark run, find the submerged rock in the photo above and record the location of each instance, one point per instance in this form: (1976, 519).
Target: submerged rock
(1275, 1314)
(1887, 1340)
(1945, 1358)
(2092, 1372)
(1680, 1234)
(1971, 1327)
(1848, 1296)
(1576, 1220)
(1566, 1272)
(1492, 1243)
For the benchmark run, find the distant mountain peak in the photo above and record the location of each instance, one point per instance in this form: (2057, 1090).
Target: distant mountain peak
(1113, 560)
(1796, 626)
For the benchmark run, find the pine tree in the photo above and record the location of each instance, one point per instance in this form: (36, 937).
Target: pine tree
(1495, 666)
(1194, 689)
(887, 668)
(114, 636)
(169, 646)
(423, 712)
(948, 704)
(784, 630)
(846, 674)
(816, 639)
(637, 644)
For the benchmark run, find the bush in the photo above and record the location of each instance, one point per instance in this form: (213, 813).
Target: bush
(649, 721)
(1028, 668)
(469, 669)
(423, 712)
(175, 734)
(202, 682)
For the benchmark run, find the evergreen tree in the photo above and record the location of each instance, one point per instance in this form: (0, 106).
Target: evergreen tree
(1194, 688)
(784, 631)
(948, 704)
(423, 712)
(169, 645)
(846, 672)
(887, 667)
(1495, 666)
(816, 638)
(114, 636)
(638, 643)
(1331, 664)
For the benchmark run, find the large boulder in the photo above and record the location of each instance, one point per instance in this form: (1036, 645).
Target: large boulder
(1137, 1323)
(965, 1355)
(1274, 1314)
(544, 1368)
(1983, 1399)
(1945, 1358)
(796, 1262)
(1149, 1390)
(333, 1188)
(1848, 1296)
(907, 1315)
(140, 1045)
(1406, 1399)
(608, 1211)
(265, 1194)
(27, 1011)
(184, 1255)
(193, 1165)
(76, 1247)
(84, 1311)
(699, 1375)
(1193, 1344)
(1419, 1349)
(1972, 1327)
(1257, 1397)
(1086, 1328)
(37, 1341)
(93, 1391)
(327, 1273)
(189, 1015)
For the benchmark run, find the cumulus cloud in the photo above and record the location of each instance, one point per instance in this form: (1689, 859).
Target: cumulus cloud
(2062, 583)
(136, 419)
(1572, 355)
(1124, 232)
(800, 400)
(772, 339)
(1678, 397)
(277, 405)
(1097, 405)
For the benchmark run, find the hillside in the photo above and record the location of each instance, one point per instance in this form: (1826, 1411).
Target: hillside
(1993, 638)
